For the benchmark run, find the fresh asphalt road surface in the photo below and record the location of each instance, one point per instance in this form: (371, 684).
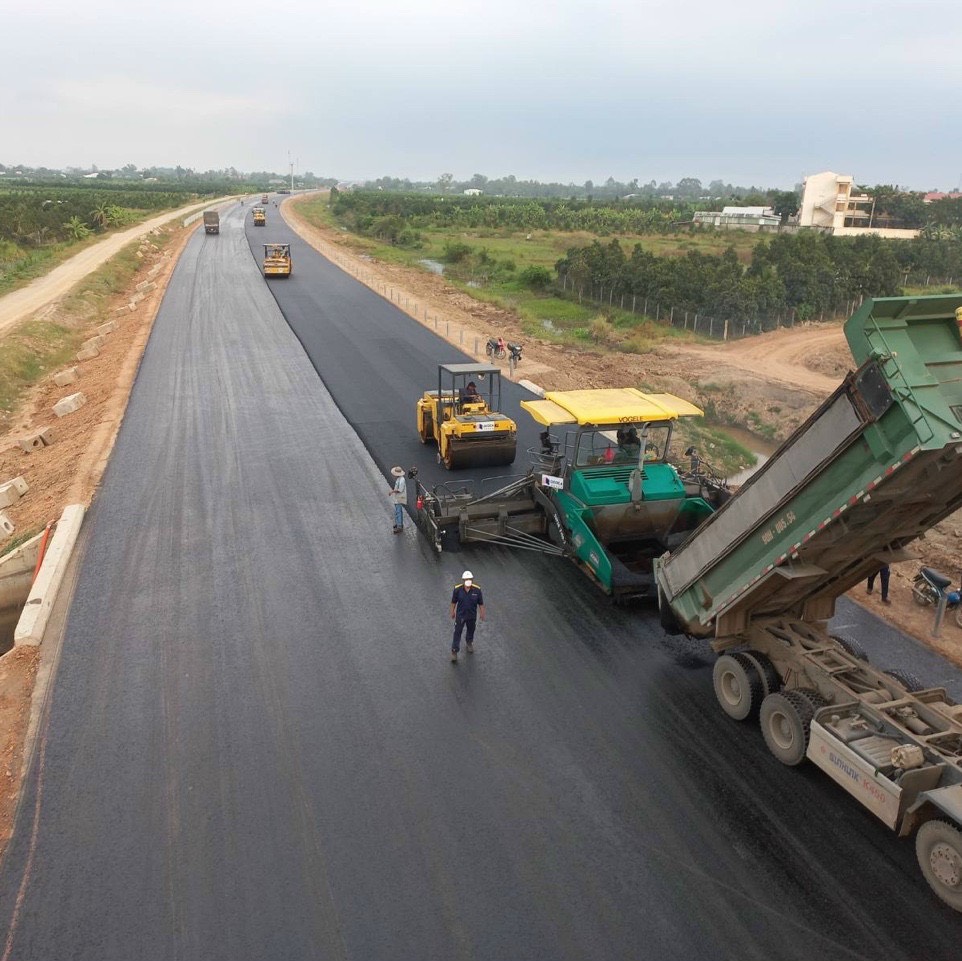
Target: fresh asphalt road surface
(376, 361)
(255, 747)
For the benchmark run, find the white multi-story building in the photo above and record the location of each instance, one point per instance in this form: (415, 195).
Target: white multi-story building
(830, 203)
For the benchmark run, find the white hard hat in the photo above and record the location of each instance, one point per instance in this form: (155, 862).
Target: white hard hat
(467, 576)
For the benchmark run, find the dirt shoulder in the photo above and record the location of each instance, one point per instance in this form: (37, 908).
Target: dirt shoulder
(767, 384)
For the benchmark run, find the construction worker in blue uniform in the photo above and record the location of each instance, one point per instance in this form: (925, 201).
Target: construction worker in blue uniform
(467, 604)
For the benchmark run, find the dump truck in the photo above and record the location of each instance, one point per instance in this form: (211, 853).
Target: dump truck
(872, 469)
(260, 217)
(277, 260)
(463, 418)
(606, 494)
(211, 222)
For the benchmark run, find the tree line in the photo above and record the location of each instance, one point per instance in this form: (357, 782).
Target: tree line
(804, 275)
(397, 217)
(40, 216)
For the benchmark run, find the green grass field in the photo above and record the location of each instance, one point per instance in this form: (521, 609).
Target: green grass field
(490, 273)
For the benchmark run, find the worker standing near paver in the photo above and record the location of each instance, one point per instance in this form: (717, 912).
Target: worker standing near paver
(467, 604)
(399, 495)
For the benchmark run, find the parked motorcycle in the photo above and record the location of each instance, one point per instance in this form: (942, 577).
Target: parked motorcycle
(496, 347)
(499, 348)
(929, 587)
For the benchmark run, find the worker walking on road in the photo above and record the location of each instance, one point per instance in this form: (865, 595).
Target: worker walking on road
(399, 495)
(467, 604)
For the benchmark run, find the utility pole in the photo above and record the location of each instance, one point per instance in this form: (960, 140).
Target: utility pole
(291, 165)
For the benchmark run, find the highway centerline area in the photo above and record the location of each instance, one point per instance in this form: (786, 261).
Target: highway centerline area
(255, 746)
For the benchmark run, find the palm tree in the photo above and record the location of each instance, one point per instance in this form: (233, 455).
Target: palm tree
(100, 215)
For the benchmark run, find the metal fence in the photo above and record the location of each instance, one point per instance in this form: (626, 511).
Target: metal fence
(699, 322)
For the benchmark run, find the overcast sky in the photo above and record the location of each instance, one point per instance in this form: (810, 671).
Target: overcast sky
(756, 92)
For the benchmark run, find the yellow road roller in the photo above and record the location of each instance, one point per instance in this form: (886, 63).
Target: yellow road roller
(462, 417)
(277, 260)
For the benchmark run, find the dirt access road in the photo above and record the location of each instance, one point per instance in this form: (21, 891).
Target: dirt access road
(20, 304)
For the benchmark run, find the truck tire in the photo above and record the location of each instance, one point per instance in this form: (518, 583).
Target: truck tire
(786, 718)
(850, 646)
(738, 686)
(908, 680)
(771, 682)
(938, 846)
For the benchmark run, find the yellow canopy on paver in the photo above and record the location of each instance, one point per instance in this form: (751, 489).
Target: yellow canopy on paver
(607, 406)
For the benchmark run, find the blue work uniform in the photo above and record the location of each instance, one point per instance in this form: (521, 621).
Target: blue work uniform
(467, 600)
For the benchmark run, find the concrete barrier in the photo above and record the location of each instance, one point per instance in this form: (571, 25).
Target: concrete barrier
(64, 377)
(534, 388)
(97, 342)
(40, 601)
(88, 353)
(106, 328)
(6, 525)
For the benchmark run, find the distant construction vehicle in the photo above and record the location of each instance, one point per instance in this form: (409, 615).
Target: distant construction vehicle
(463, 419)
(277, 260)
(260, 217)
(265, 199)
(211, 222)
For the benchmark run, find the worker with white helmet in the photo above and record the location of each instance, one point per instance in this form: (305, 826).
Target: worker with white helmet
(467, 604)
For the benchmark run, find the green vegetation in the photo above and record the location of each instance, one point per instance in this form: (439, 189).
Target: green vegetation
(533, 255)
(32, 350)
(40, 226)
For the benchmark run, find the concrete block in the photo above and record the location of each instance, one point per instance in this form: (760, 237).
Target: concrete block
(108, 328)
(88, 353)
(69, 404)
(97, 342)
(137, 298)
(21, 485)
(33, 442)
(43, 438)
(6, 525)
(146, 285)
(126, 309)
(64, 377)
(9, 495)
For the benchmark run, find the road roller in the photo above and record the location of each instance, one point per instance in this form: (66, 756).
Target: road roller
(462, 417)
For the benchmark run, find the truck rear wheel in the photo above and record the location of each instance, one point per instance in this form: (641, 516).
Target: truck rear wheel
(771, 682)
(938, 846)
(908, 680)
(786, 719)
(738, 686)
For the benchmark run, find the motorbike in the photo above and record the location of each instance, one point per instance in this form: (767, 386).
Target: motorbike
(499, 348)
(496, 347)
(929, 587)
